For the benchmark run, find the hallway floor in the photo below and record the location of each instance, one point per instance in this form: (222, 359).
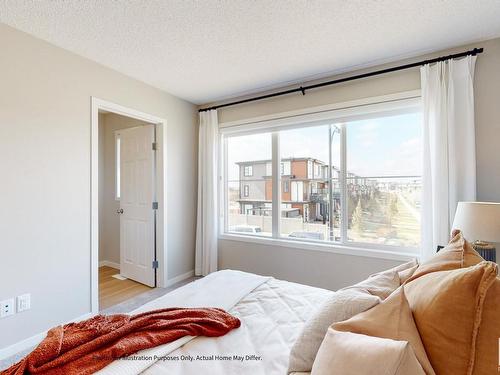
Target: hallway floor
(113, 291)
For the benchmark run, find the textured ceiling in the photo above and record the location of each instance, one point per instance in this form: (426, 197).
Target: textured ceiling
(207, 50)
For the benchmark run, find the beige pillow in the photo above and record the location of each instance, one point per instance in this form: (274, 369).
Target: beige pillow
(382, 284)
(346, 353)
(457, 254)
(344, 304)
(448, 310)
(392, 319)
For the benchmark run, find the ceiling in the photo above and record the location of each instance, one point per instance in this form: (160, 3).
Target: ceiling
(208, 50)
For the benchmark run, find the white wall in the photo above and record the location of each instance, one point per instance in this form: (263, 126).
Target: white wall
(334, 270)
(109, 220)
(45, 116)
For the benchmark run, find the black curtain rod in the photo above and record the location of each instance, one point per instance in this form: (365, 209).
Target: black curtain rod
(303, 89)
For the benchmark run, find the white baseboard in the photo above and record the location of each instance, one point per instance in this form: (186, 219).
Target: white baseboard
(31, 341)
(109, 263)
(180, 278)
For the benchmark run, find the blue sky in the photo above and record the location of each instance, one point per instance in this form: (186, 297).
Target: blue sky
(375, 147)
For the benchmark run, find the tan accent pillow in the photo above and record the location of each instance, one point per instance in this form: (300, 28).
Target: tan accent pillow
(392, 319)
(447, 309)
(346, 353)
(487, 344)
(459, 253)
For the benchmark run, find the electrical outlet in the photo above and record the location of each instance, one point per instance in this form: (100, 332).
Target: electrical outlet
(7, 307)
(23, 302)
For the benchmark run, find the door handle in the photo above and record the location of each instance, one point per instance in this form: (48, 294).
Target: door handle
(120, 211)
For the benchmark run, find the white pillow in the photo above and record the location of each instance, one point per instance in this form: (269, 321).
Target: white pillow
(349, 353)
(341, 306)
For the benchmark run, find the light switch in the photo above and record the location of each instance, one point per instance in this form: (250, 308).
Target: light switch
(23, 302)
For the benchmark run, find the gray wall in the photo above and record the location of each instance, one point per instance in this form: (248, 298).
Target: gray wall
(109, 220)
(45, 120)
(333, 270)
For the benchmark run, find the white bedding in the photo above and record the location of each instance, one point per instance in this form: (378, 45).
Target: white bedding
(272, 313)
(223, 289)
(272, 316)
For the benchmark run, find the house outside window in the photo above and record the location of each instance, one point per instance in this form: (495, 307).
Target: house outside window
(246, 190)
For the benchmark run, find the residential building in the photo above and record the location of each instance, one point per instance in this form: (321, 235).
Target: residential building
(304, 187)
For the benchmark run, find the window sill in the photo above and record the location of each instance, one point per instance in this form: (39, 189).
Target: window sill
(330, 248)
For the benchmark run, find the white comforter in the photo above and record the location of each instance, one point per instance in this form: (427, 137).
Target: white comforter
(272, 316)
(272, 313)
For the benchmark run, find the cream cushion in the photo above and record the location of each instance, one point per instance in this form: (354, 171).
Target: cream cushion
(346, 353)
(344, 304)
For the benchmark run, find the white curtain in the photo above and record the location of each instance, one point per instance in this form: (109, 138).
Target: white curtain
(206, 229)
(449, 149)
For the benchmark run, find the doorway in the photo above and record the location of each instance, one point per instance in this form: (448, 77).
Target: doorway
(128, 240)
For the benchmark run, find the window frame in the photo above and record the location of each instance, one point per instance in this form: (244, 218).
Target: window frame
(405, 102)
(246, 191)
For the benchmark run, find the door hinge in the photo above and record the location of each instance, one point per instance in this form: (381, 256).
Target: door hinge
(154, 146)
(155, 264)
(155, 205)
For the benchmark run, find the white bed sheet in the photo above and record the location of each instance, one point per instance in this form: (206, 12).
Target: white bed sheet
(272, 316)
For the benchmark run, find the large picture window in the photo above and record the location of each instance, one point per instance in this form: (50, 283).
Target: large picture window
(353, 181)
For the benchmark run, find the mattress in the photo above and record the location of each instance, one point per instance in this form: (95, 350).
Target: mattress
(272, 316)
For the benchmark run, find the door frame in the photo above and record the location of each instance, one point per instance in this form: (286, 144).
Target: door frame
(161, 192)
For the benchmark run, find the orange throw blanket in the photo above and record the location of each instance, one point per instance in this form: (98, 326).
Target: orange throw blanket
(88, 346)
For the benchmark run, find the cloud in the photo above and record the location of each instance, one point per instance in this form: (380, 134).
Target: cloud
(366, 134)
(406, 158)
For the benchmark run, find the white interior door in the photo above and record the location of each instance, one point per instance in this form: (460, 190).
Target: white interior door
(137, 218)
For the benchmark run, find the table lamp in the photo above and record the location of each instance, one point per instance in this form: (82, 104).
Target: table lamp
(480, 224)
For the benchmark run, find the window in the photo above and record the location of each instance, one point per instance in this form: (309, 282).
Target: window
(117, 166)
(309, 169)
(318, 171)
(248, 171)
(269, 169)
(297, 191)
(248, 189)
(285, 168)
(356, 179)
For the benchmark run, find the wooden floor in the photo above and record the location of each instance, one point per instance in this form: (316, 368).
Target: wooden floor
(113, 291)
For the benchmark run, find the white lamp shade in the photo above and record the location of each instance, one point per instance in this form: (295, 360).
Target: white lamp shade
(478, 221)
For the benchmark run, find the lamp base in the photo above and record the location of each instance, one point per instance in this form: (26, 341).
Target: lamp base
(486, 250)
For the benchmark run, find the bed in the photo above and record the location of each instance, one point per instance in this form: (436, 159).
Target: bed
(272, 313)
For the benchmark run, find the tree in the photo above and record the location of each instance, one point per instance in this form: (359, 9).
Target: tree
(357, 218)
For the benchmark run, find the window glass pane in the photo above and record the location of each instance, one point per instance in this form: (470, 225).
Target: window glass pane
(383, 160)
(305, 195)
(249, 184)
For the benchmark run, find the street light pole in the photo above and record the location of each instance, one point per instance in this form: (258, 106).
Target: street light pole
(331, 219)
